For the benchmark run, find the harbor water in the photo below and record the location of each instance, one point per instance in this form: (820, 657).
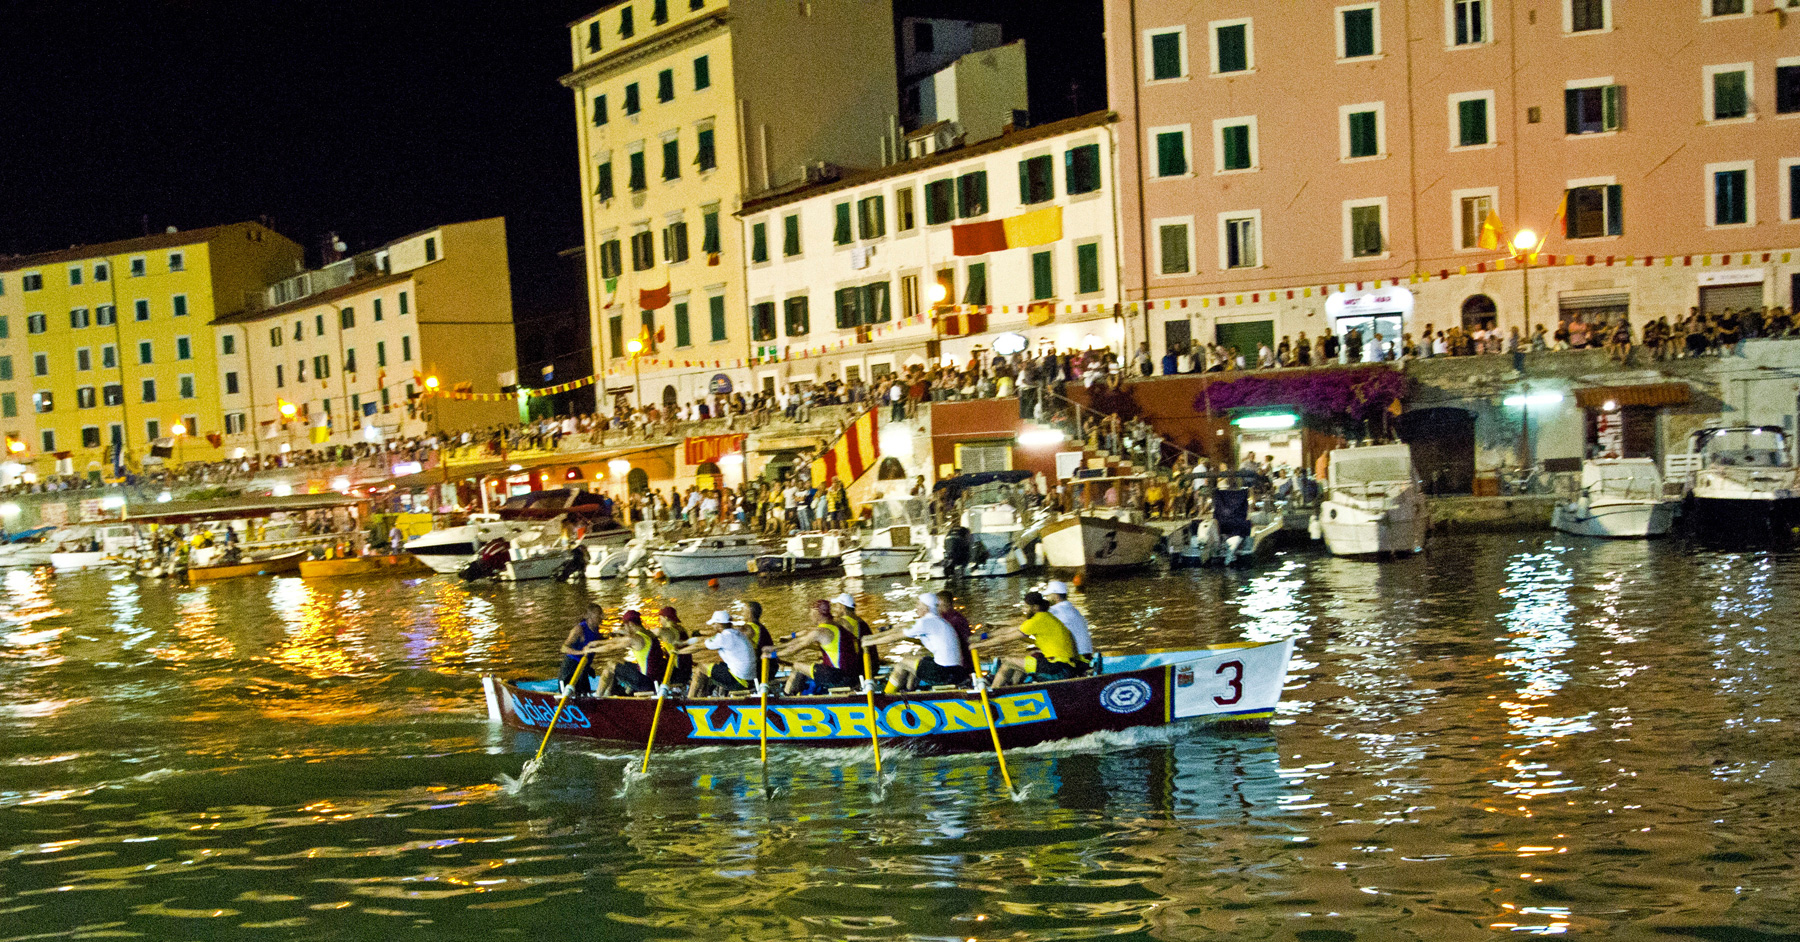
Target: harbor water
(1507, 734)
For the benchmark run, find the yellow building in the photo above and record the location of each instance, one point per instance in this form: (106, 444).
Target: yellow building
(111, 344)
(683, 107)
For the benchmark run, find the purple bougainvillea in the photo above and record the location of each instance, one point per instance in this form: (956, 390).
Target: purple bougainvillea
(1356, 393)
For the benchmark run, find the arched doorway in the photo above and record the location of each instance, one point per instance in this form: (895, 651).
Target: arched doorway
(1478, 310)
(890, 469)
(707, 475)
(637, 480)
(671, 401)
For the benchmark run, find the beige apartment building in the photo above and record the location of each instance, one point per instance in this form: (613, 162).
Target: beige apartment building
(683, 108)
(341, 354)
(1290, 167)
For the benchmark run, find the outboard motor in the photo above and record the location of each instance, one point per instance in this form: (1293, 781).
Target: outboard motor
(956, 550)
(1231, 509)
(488, 563)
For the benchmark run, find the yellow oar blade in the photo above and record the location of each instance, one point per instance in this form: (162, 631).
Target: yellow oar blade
(987, 710)
(656, 715)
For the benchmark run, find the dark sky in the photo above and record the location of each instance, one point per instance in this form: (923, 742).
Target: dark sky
(371, 119)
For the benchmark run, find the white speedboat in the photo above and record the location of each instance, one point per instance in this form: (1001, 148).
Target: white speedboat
(1620, 498)
(811, 553)
(898, 535)
(76, 560)
(991, 535)
(450, 549)
(1374, 504)
(703, 557)
(1111, 540)
(1746, 486)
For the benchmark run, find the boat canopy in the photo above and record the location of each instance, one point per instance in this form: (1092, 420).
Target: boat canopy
(1375, 464)
(962, 482)
(1742, 446)
(25, 536)
(1622, 477)
(897, 512)
(241, 508)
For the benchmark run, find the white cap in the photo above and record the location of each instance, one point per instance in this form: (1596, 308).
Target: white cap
(930, 600)
(719, 618)
(1057, 588)
(846, 601)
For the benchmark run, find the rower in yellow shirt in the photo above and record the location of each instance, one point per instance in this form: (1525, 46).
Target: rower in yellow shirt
(1053, 654)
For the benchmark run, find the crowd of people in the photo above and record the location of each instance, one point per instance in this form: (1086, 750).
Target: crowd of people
(839, 651)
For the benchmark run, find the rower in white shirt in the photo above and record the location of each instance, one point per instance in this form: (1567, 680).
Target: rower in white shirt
(1072, 619)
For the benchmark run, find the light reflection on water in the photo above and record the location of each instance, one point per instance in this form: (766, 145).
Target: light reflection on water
(1507, 734)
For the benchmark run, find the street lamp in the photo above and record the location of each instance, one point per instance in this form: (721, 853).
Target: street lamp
(431, 383)
(1525, 245)
(178, 430)
(634, 347)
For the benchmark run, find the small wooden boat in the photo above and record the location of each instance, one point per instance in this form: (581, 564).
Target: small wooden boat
(272, 566)
(74, 560)
(1227, 683)
(397, 564)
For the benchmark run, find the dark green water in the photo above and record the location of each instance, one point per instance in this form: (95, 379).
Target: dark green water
(1531, 735)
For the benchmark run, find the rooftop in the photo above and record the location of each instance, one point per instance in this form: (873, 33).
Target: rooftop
(160, 240)
(354, 286)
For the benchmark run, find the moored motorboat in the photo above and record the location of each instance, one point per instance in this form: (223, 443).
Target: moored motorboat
(813, 553)
(1746, 487)
(1375, 504)
(1227, 683)
(74, 560)
(1621, 498)
(1098, 540)
(704, 557)
(897, 535)
(396, 564)
(284, 564)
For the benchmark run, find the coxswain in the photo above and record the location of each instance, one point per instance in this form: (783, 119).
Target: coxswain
(582, 640)
(943, 663)
(1053, 654)
(736, 670)
(840, 659)
(1072, 619)
(843, 611)
(674, 638)
(641, 667)
(948, 611)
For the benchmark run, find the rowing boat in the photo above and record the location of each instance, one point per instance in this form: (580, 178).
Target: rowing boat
(274, 565)
(397, 564)
(1238, 683)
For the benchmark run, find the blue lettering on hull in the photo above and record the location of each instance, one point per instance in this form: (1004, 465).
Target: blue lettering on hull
(538, 713)
(851, 720)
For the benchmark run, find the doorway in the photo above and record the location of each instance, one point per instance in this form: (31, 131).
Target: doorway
(1478, 311)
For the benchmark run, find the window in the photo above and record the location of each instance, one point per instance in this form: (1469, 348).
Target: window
(104, 315)
(380, 353)
(1362, 134)
(632, 105)
(871, 217)
(909, 295)
(275, 337)
(675, 242)
(9, 405)
(1728, 92)
(643, 251)
(406, 349)
(5, 327)
(1593, 210)
(279, 382)
(346, 318)
(706, 157)
(1586, 16)
(863, 305)
(665, 85)
(1787, 86)
(940, 202)
(1364, 230)
(187, 388)
(1790, 192)
(78, 318)
(924, 38)
(1087, 268)
(404, 309)
(152, 429)
(638, 181)
(1081, 169)
(1473, 207)
(375, 305)
(6, 368)
(36, 324)
(1593, 109)
(231, 384)
(84, 397)
(1469, 22)
(49, 440)
(43, 402)
(1725, 7)
(102, 271)
(90, 435)
(599, 110)
(74, 274)
(903, 210)
(593, 40)
(611, 260)
(1037, 180)
(299, 371)
(177, 261)
(109, 357)
(40, 364)
(671, 154)
(702, 73)
(796, 316)
(1359, 31)
(145, 352)
(759, 242)
(971, 194)
(762, 321)
(1231, 51)
(1234, 144)
(976, 291)
(603, 181)
(149, 390)
(1043, 276)
(184, 349)
(684, 334)
(228, 344)
(321, 366)
(141, 309)
(1171, 146)
(626, 29)
(236, 422)
(1732, 201)
(318, 325)
(1167, 52)
(1472, 119)
(709, 230)
(31, 281)
(137, 267)
(715, 306)
(840, 230)
(1240, 239)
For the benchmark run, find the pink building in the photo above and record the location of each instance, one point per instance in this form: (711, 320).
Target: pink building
(1304, 167)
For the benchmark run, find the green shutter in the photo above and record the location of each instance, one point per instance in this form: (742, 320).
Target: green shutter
(1232, 49)
(682, 336)
(672, 158)
(759, 242)
(1728, 95)
(1615, 210)
(1237, 146)
(716, 307)
(1165, 56)
(702, 74)
(1365, 231)
(971, 194)
(1087, 267)
(790, 235)
(1081, 169)
(840, 233)
(844, 302)
(1171, 154)
(1612, 107)
(1471, 116)
(665, 85)
(976, 291)
(1362, 134)
(705, 157)
(638, 181)
(1043, 285)
(1174, 249)
(709, 232)
(1359, 33)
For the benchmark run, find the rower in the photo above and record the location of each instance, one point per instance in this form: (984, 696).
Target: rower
(843, 611)
(943, 663)
(765, 643)
(1053, 655)
(674, 637)
(947, 610)
(1072, 619)
(642, 666)
(736, 670)
(582, 640)
(840, 660)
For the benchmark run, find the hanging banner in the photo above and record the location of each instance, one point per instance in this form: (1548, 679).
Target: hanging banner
(703, 448)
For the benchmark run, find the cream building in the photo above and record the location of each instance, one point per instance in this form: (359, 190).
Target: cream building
(683, 108)
(347, 347)
(860, 277)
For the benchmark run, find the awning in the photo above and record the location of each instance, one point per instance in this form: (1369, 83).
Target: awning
(237, 509)
(492, 468)
(1642, 394)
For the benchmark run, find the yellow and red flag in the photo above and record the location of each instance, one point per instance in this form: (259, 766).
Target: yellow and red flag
(1040, 227)
(1490, 231)
(854, 452)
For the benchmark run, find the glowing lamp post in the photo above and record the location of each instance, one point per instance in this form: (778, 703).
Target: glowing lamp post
(1525, 246)
(178, 430)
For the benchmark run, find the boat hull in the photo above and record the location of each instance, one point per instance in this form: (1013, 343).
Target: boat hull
(1622, 520)
(878, 561)
(696, 566)
(72, 562)
(785, 564)
(1398, 528)
(1743, 519)
(1236, 683)
(534, 567)
(273, 566)
(1084, 542)
(399, 564)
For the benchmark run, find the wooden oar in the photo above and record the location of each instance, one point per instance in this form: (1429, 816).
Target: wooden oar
(869, 687)
(763, 726)
(574, 680)
(994, 731)
(656, 715)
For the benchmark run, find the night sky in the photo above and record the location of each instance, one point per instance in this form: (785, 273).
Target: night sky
(368, 119)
